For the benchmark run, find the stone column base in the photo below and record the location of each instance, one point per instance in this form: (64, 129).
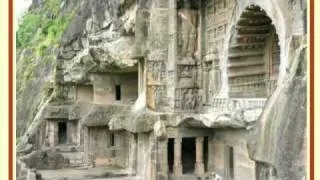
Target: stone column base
(177, 169)
(199, 168)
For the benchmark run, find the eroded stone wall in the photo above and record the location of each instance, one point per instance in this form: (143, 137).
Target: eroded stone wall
(219, 155)
(84, 93)
(104, 147)
(105, 88)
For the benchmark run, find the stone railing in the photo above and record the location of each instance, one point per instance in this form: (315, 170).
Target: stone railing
(226, 104)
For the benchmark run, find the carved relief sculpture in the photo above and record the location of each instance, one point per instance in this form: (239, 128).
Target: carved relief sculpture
(214, 77)
(189, 100)
(188, 22)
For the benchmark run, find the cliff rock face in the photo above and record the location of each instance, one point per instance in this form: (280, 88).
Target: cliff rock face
(34, 78)
(279, 140)
(100, 35)
(249, 72)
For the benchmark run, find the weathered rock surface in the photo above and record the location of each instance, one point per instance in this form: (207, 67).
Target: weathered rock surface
(278, 141)
(25, 173)
(34, 76)
(99, 39)
(45, 159)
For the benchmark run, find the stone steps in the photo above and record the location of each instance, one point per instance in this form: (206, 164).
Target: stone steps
(75, 158)
(66, 148)
(73, 153)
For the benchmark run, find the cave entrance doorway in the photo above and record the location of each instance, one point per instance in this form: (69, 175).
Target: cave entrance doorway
(62, 132)
(170, 154)
(188, 155)
(205, 153)
(118, 92)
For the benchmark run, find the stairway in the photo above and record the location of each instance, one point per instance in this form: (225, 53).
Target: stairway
(73, 153)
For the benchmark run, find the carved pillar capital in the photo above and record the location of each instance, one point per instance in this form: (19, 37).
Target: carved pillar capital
(177, 140)
(199, 139)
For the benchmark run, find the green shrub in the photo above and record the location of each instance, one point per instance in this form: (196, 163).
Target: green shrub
(28, 28)
(43, 27)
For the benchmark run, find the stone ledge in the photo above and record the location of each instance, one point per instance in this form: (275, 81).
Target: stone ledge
(70, 112)
(100, 115)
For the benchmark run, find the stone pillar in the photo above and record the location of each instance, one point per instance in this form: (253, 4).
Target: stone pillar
(86, 145)
(172, 53)
(141, 29)
(156, 63)
(55, 133)
(200, 50)
(162, 160)
(177, 166)
(199, 166)
(141, 78)
(218, 158)
(69, 132)
(132, 159)
(216, 77)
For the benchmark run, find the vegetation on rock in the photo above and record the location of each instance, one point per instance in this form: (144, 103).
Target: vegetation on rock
(37, 40)
(42, 27)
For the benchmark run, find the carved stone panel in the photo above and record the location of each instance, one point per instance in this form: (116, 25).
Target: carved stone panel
(156, 63)
(188, 99)
(296, 10)
(188, 22)
(217, 16)
(156, 88)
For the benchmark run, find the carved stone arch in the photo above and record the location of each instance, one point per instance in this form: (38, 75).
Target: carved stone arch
(253, 55)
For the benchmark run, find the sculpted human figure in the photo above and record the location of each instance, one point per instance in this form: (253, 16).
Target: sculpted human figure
(185, 72)
(156, 71)
(188, 18)
(199, 98)
(189, 100)
(157, 96)
(195, 76)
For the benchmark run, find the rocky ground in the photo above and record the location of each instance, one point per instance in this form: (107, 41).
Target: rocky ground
(110, 173)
